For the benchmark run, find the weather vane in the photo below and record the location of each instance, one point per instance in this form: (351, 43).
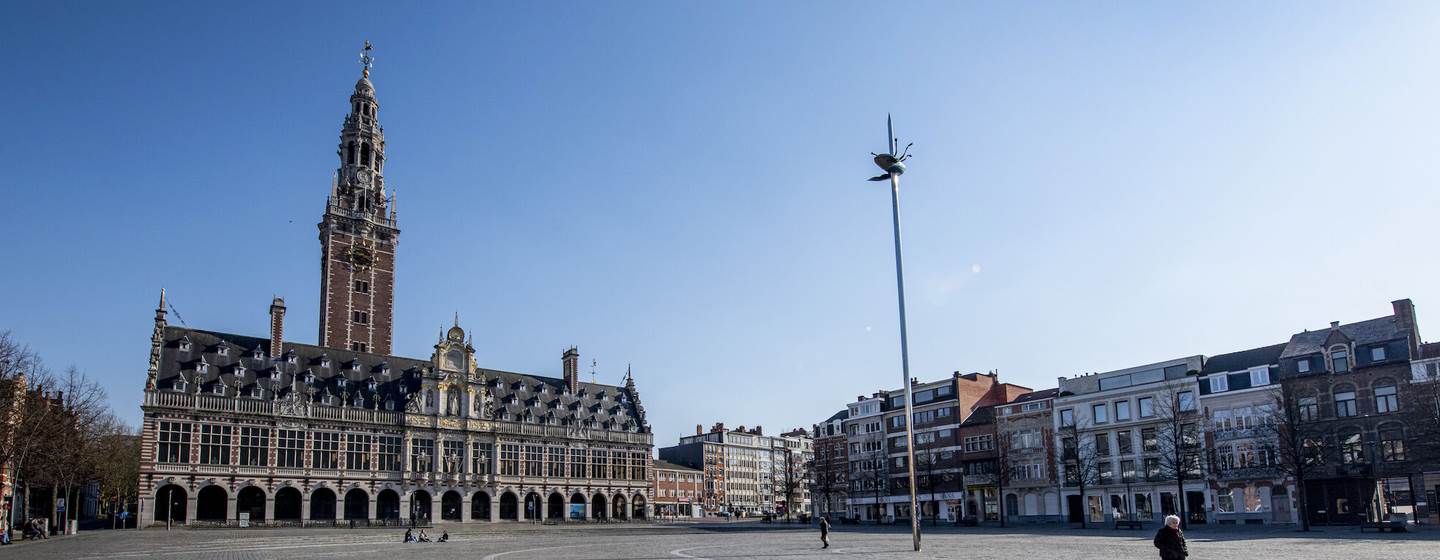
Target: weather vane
(892, 162)
(365, 59)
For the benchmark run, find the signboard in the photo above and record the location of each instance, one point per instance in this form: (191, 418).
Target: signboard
(244, 519)
(577, 511)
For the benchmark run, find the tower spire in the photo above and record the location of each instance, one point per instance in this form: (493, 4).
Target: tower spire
(358, 232)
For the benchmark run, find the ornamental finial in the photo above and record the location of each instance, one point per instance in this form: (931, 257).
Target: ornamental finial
(365, 59)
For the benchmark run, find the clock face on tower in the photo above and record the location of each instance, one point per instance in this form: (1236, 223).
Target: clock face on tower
(360, 257)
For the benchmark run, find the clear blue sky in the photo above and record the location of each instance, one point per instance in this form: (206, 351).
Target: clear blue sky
(681, 185)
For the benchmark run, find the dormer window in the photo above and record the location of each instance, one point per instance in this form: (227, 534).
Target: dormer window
(390, 405)
(384, 369)
(309, 378)
(179, 385)
(185, 344)
(1377, 354)
(1302, 365)
(239, 369)
(324, 361)
(258, 354)
(218, 388)
(370, 385)
(328, 400)
(222, 350)
(1339, 359)
(340, 382)
(202, 367)
(290, 358)
(355, 365)
(255, 391)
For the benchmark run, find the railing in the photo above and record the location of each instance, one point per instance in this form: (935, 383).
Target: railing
(242, 405)
(1236, 433)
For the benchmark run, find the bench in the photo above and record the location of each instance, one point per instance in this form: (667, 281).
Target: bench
(1382, 526)
(1129, 524)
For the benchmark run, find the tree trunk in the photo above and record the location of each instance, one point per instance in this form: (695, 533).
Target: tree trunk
(1304, 504)
(1180, 501)
(1083, 514)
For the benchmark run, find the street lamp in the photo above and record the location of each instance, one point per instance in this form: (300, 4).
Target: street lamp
(893, 162)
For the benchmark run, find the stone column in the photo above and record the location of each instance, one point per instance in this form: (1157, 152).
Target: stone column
(436, 501)
(192, 500)
(374, 506)
(404, 506)
(232, 501)
(147, 511)
(305, 507)
(269, 507)
(494, 509)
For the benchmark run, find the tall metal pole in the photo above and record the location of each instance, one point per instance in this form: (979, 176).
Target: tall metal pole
(905, 363)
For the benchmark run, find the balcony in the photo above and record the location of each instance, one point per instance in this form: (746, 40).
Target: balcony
(1237, 433)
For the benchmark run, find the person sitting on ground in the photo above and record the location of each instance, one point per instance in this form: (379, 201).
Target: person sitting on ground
(409, 536)
(1171, 540)
(423, 536)
(444, 536)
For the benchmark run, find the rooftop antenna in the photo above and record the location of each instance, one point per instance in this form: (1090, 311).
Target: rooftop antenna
(592, 370)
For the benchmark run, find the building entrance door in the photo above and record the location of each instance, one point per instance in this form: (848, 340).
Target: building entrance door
(1279, 505)
(1073, 508)
(1195, 507)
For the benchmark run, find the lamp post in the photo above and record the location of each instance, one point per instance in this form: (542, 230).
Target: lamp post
(893, 162)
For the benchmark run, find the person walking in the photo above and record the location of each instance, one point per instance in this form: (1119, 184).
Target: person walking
(1171, 540)
(825, 532)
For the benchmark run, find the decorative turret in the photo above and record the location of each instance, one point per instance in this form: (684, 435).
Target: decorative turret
(157, 341)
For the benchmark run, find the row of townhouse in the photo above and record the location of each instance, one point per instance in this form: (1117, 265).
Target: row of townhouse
(746, 472)
(1335, 426)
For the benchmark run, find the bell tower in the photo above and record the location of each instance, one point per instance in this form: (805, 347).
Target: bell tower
(358, 233)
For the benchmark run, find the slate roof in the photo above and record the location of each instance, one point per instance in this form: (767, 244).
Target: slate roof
(1431, 350)
(1035, 396)
(981, 416)
(245, 367)
(1244, 359)
(843, 414)
(1364, 332)
(667, 465)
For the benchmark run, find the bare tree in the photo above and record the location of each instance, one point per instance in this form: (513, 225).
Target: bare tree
(1423, 416)
(81, 416)
(927, 467)
(1178, 439)
(1003, 466)
(1082, 465)
(114, 453)
(1295, 444)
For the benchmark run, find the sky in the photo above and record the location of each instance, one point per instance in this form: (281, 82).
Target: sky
(680, 188)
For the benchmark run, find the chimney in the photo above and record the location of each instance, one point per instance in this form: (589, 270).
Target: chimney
(699, 429)
(759, 431)
(1405, 319)
(571, 365)
(277, 325)
(718, 427)
(1334, 324)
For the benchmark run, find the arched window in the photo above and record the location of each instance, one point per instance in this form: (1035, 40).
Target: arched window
(1385, 399)
(1339, 358)
(1345, 401)
(1352, 446)
(365, 154)
(350, 153)
(1392, 442)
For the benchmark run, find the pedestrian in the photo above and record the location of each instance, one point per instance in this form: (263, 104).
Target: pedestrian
(1171, 540)
(825, 532)
(409, 536)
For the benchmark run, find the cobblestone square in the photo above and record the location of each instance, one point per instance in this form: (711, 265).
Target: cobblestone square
(740, 540)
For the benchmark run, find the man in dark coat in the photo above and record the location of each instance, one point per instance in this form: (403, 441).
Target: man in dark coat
(825, 532)
(1171, 540)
